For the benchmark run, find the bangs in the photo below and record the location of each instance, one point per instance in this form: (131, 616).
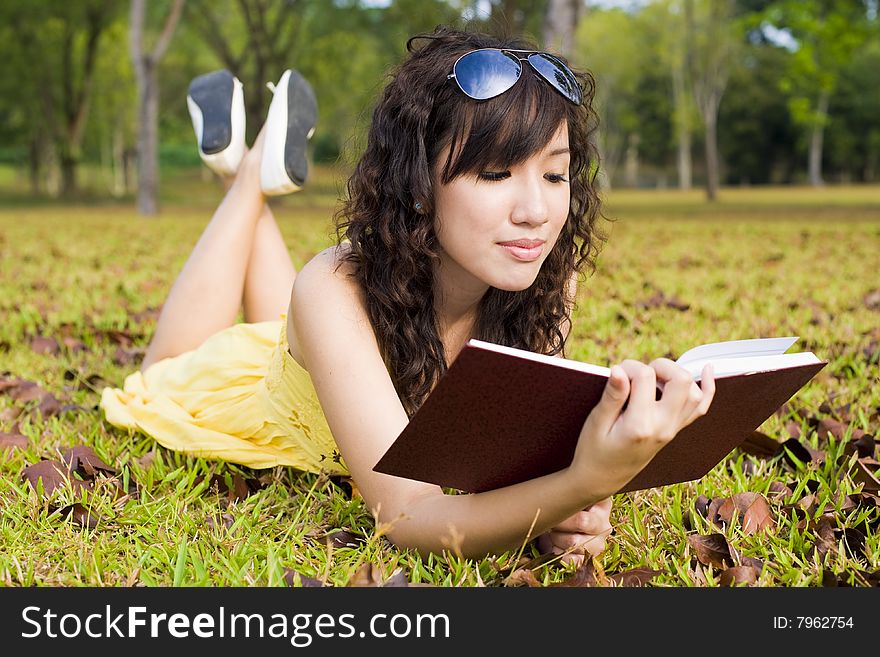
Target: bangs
(503, 131)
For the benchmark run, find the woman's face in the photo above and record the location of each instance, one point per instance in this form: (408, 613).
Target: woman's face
(497, 228)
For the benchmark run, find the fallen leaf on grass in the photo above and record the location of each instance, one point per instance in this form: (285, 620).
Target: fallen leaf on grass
(80, 514)
(21, 390)
(343, 539)
(290, 577)
(43, 344)
(82, 459)
(10, 414)
(522, 577)
(584, 576)
(660, 299)
(712, 550)
(128, 356)
(865, 473)
(53, 474)
(226, 520)
(11, 441)
(752, 509)
(738, 575)
(634, 577)
(369, 575)
(793, 449)
(760, 445)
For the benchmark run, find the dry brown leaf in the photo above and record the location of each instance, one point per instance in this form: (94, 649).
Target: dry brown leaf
(343, 539)
(738, 575)
(865, 474)
(290, 577)
(584, 576)
(522, 577)
(79, 514)
(43, 344)
(712, 550)
(368, 575)
(10, 414)
(12, 441)
(82, 459)
(634, 577)
(760, 445)
(53, 474)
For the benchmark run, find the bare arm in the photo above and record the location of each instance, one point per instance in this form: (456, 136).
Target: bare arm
(365, 415)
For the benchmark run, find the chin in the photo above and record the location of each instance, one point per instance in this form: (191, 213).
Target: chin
(515, 283)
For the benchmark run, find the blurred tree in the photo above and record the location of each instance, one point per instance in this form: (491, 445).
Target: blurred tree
(561, 19)
(665, 35)
(712, 37)
(827, 33)
(611, 43)
(146, 68)
(57, 43)
(854, 117)
(756, 133)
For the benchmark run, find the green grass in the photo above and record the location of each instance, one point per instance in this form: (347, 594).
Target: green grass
(760, 262)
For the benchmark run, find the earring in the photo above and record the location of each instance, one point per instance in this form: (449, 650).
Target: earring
(418, 206)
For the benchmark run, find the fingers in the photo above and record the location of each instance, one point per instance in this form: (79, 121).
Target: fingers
(614, 396)
(707, 386)
(643, 381)
(573, 543)
(594, 520)
(682, 396)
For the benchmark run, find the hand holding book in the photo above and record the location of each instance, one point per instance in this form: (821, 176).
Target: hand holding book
(501, 415)
(615, 444)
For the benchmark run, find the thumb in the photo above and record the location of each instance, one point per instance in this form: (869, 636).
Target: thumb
(613, 398)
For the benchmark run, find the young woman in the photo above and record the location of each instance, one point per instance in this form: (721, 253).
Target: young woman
(470, 214)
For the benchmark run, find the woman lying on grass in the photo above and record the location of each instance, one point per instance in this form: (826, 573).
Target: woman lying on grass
(470, 215)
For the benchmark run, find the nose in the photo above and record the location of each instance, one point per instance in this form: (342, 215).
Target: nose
(530, 204)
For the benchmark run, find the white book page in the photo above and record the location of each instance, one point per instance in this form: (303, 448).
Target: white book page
(730, 366)
(736, 349)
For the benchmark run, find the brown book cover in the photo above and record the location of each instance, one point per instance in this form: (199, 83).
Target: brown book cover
(499, 417)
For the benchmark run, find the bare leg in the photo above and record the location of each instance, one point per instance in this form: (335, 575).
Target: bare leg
(270, 272)
(207, 295)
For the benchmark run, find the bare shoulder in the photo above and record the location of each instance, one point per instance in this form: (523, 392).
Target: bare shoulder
(330, 324)
(322, 289)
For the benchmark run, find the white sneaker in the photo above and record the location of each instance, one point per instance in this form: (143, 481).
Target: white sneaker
(289, 125)
(216, 106)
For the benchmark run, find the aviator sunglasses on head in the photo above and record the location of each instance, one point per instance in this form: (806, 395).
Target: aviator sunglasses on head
(489, 72)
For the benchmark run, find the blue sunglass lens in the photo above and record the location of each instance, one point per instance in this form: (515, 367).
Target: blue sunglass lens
(557, 74)
(485, 74)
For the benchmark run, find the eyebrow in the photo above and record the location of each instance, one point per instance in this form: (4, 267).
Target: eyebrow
(559, 151)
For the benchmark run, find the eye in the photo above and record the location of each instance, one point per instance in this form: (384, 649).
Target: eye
(494, 175)
(556, 178)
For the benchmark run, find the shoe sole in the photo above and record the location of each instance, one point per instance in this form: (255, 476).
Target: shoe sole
(290, 123)
(216, 105)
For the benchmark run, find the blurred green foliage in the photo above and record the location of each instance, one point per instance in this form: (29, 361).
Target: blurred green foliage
(68, 69)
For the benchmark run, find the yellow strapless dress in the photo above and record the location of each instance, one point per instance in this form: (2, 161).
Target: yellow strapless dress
(239, 397)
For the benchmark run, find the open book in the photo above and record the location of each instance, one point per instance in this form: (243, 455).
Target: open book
(500, 415)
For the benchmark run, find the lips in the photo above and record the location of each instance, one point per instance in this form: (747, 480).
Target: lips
(524, 250)
(523, 244)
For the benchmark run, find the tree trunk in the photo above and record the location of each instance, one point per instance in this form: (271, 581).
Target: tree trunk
(711, 121)
(147, 137)
(631, 166)
(682, 128)
(146, 68)
(816, 140)
(560, 23)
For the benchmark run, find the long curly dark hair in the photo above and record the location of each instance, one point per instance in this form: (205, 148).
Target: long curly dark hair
(393, 246)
